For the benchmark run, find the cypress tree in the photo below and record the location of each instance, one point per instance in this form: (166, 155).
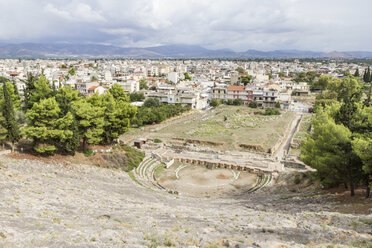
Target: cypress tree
(368, 79)
(365, 75)
(30, 87)
(367, 101)
(368, 76)
(54, 89)
(25, 99)
(11, 124)
(356, 74)
(15, 89)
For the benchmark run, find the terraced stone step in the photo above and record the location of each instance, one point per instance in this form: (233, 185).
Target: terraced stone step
(144, 174)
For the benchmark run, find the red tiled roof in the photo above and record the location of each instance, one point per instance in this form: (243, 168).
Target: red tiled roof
(14, 73)
(236, 88)
(268, 84)
(93, 88)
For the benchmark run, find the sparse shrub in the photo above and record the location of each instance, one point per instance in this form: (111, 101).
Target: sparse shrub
(135, 157)
(168, 242)
(153, 240)
(89, 153)
(297, 179)
(157, 141)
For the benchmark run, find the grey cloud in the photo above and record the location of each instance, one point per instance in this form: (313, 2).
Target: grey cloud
(234, 24)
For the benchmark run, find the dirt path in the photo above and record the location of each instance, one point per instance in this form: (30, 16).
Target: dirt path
(284, 147)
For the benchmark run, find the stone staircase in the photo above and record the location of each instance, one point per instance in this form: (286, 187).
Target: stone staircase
(263, 180)
(144, 174)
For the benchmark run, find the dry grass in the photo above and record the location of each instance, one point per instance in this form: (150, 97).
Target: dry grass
(230, 125)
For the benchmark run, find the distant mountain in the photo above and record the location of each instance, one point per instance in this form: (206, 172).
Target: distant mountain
(36, 50)
(282, 54)
(348, 55)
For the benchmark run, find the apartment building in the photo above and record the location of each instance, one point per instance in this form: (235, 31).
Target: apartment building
(219, 92)
(178, 97)
(239, 92)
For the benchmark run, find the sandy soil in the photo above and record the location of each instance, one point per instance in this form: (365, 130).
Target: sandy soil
(199, 181)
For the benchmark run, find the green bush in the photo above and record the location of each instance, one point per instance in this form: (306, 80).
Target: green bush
(136, 97)
(89, 153)
(149, 115)
(45, 149)
(157, 141)
(277, 105)
(214, 103)
(152, 102)
(271, 111)
(253, 105)
(237, 102)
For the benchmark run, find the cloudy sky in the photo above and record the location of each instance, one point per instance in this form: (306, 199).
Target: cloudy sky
(319, 25)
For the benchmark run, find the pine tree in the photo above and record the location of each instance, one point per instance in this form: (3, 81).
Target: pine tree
(42, 90)
(363, 148)
(338, 147)
(329, 151)
(71, 145)
(118, 116)
(46, 128)
(90, 122)
(65, 97)
(11, 124)
(356, 74)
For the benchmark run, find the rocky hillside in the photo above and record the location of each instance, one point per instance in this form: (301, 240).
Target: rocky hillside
(66, 205)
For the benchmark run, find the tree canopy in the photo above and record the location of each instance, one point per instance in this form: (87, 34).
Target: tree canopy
(339, 146)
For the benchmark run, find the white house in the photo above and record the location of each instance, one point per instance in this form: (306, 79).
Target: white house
(173, 76)
(130, 85)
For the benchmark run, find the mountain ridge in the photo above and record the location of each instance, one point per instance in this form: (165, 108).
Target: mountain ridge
(39, 50)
